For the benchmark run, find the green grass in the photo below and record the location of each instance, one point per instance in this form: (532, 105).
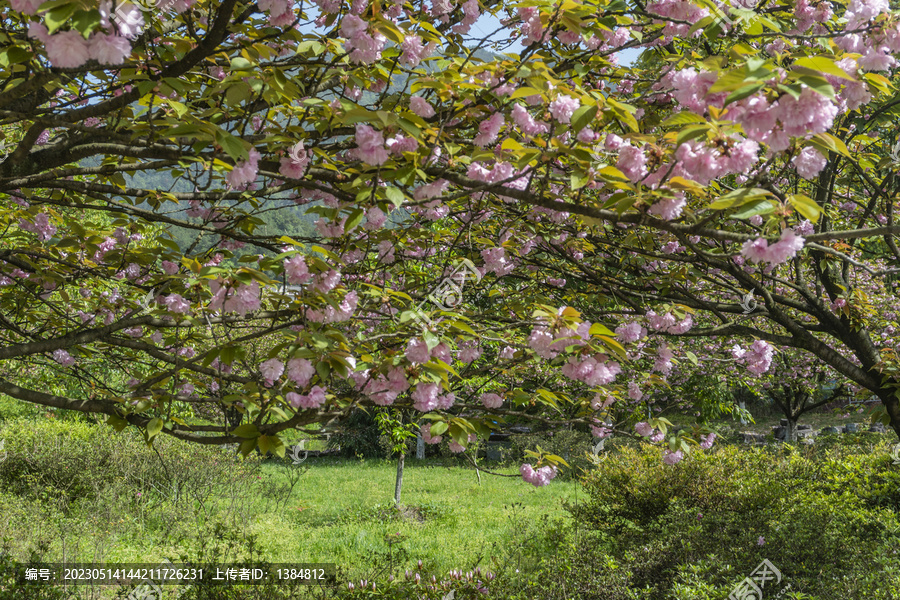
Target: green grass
(342, 512)
(92, 495)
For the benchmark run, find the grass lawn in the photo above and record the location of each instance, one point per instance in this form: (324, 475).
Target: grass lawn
(91, 495)
(342, 511)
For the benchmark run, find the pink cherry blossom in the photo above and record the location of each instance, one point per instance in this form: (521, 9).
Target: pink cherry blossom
(672, 458)
(109, 49)
(668, 209)
(370, 145)
(488, 130)
(295, 270)
(300, 371)
(417, 351)
(809, 163)
(244, 172)
(67, 49)
(427, 437)
(564, 107)
(527, 124)
(293, 166)
(491, 400)
(643, 429)
(271, 370)
(176, 304)
(63, 358)
(421, 107)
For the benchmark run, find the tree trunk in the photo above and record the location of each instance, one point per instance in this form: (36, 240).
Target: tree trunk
(399, 484)
(891, 403)
(790, 432)
(420, 446)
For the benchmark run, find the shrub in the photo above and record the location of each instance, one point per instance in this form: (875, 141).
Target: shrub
(571, 445)
(828, 520)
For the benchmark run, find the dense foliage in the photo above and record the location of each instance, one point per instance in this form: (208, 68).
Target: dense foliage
(525, 232)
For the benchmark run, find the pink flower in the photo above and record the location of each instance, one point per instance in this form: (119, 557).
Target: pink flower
(809, 163)
(370, 144)
(634, 391)
(421, 107)
(564, 107)
(314, 399)
(425, 397)
(707, 443)
(29, 7)
(488, 130)
(244, 172)
(271, 370)
(427, 437)
(63, 358)
(755, 250)
(41, 226)
(668, 209)
(169, 268)
(811, 113)
(672, 458)
(532, 28)
(417, 351)
(632, 162)
(300, 371)
(176, 304)
(612, 142)
(491, 400)
(413, 51)
(295, 270)
(293, 166)
(786, 248)
(240, 299)
(109, 49)
(539, 477)
(67, 49)
(527, 124)
(643, 429)
(468, 351)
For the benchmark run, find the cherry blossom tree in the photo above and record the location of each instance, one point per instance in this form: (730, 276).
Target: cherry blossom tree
(503, 222)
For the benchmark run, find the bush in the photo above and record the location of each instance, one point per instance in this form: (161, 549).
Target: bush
(571, 445)
(358, 436)
(72, 463)
(827, 520)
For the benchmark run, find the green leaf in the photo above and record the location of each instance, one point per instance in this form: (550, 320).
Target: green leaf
(395, 196)
(821, 64)
(743, 92)
(354, 219)
(154, 427)
(683, 118)
(830, 143)
(57, 17)
(233, 146)
(583, 117)
(247, 430)
(598, 329)
(117, 423)
(690, 133)
(806, 206)
(439, 428)
(739, 197)
(247, 446)
(241, 64)
(819, 84)
(756, 207)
